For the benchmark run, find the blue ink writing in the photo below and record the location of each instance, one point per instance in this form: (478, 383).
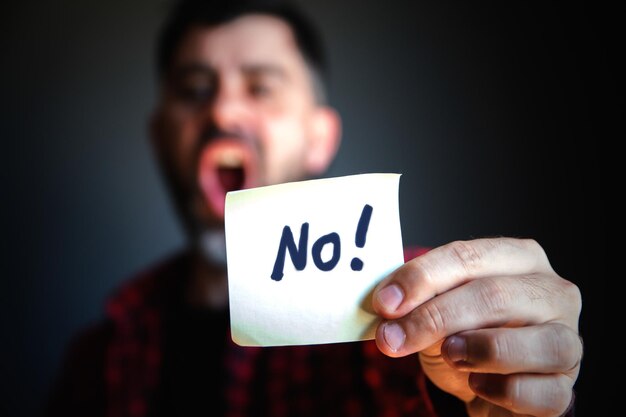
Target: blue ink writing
(298, 254)
(361, 233)
(317, 252)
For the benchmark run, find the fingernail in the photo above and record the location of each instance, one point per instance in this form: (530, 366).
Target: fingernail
(456, 349)
(390, 297)
(394, 336)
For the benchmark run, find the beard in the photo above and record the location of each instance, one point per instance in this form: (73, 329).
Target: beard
(233, 163)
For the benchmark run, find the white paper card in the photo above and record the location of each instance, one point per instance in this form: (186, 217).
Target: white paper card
(304, 257)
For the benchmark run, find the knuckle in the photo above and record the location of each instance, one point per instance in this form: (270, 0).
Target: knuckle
(566, 347)
(498, 349)
(489, 349)
(432, 319)
(466, 254)
(417, 270)
(570, 300)
(493, 295)
(572, 293)
(534, 246)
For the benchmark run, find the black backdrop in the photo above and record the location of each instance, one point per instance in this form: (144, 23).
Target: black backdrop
(495, 113)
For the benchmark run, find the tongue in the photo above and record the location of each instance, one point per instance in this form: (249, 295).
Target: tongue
(231, 179)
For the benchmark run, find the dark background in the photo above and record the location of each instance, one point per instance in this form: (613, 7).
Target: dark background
(496, 115)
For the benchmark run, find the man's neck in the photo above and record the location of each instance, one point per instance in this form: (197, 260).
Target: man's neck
(208, 284)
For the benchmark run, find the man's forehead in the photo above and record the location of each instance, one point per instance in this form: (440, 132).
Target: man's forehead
(250, 39)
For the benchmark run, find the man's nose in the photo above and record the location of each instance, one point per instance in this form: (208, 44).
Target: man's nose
(230, 111)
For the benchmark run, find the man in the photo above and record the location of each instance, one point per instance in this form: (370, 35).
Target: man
(242, 104)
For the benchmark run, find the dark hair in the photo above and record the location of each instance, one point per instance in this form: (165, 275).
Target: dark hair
(187, 13)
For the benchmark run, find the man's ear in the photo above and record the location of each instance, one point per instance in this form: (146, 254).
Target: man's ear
(324, 140)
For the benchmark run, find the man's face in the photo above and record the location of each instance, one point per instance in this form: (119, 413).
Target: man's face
(237, 111)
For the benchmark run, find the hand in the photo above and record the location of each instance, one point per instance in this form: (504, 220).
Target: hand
(493, 323)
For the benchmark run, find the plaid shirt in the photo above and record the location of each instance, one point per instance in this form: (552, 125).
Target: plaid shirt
(116, 369)
(347, 379)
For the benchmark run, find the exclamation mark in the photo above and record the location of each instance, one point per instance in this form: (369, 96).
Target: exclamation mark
(361, 233)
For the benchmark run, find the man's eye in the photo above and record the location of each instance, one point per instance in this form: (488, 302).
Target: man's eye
(260, 90)
(196, 94)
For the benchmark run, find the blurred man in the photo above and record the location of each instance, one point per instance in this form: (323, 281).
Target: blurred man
(242, 104)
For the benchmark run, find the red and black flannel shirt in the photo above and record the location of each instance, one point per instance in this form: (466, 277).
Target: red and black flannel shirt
(114, 369)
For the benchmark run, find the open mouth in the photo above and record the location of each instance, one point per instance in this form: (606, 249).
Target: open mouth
(225, 165)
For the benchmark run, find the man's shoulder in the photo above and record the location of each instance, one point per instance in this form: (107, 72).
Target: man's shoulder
(88, 345)
(90, 340)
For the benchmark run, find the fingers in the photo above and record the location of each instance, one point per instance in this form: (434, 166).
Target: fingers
(546, 348)
(484, 303)
(514, 322)
(533, 394)
(454, 264)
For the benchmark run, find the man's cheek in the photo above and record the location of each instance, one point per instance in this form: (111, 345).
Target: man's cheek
(181, 123)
